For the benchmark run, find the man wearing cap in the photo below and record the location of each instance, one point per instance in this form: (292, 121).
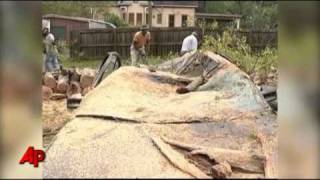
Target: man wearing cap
(137, 49)
(190, 43)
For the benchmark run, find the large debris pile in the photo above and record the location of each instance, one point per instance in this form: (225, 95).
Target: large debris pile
(135, 124)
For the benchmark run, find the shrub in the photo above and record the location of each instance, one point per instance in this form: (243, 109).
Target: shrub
(240, 53)
(114, 19)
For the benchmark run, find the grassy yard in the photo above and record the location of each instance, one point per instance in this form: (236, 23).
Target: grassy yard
(94, 62)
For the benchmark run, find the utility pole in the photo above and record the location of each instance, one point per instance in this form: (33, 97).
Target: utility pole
(150, 14)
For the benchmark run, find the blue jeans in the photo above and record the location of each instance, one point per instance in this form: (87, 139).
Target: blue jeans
(51, 62)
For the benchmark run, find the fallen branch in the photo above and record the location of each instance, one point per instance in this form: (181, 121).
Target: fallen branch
(178, 160)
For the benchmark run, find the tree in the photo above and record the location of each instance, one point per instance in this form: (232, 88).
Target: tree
(75, 8)
(256, 15)
(114, 19)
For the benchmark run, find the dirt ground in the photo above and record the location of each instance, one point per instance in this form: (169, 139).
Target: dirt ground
(55, 115)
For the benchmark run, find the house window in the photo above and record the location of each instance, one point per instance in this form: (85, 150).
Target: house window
(147, 18)
(124, 16)
(184, 20)
(139, 19)
(159, 18)
(131, 18)
(171, 20)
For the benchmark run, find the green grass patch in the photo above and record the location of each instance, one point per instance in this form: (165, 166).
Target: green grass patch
(68, 62)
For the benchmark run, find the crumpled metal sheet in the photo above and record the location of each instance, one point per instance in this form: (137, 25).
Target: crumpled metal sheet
(111, 136)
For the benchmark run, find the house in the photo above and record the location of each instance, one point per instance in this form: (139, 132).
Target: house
(164, 13)
(61, 26)
(170, 13)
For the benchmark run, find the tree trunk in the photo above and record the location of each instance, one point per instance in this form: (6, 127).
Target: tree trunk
(46, 92)
(74, 88)
(178, 159)
(62, 84)
(87, 77)
(58, 96)
(195, 83)
(237, 159)
(221, 170)
(86, 90)
(192, 86)
(75, 74)
(49, 81)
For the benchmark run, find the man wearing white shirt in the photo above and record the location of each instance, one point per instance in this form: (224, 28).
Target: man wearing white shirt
(190, 43)
(50, 52)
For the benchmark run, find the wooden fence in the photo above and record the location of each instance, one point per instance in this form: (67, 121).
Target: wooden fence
(96, 43)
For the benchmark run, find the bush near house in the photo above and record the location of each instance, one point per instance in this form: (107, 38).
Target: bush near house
(114, 19)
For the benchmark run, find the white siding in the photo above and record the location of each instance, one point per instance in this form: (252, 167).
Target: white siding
(93, 24)
(165, 11)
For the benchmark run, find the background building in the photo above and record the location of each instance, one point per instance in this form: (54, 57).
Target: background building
(169, 13)
(61, 26)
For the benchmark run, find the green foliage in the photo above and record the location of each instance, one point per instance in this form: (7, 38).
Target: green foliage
(239, 52)
(114, 19)
(153, 60)
(62, 47)
(256, 15)
(80, 63)
(75, 8)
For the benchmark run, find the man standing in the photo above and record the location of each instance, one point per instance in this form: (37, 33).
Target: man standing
(137, 49)
(50, 51)
(190, 43)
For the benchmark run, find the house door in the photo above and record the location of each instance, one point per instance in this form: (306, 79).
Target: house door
(171, 20)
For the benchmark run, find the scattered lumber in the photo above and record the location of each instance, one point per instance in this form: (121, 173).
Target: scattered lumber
(87, 77)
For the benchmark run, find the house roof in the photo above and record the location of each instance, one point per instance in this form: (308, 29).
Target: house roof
(220, 16)
(176, 3)
(82, 19)
(193, 4)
